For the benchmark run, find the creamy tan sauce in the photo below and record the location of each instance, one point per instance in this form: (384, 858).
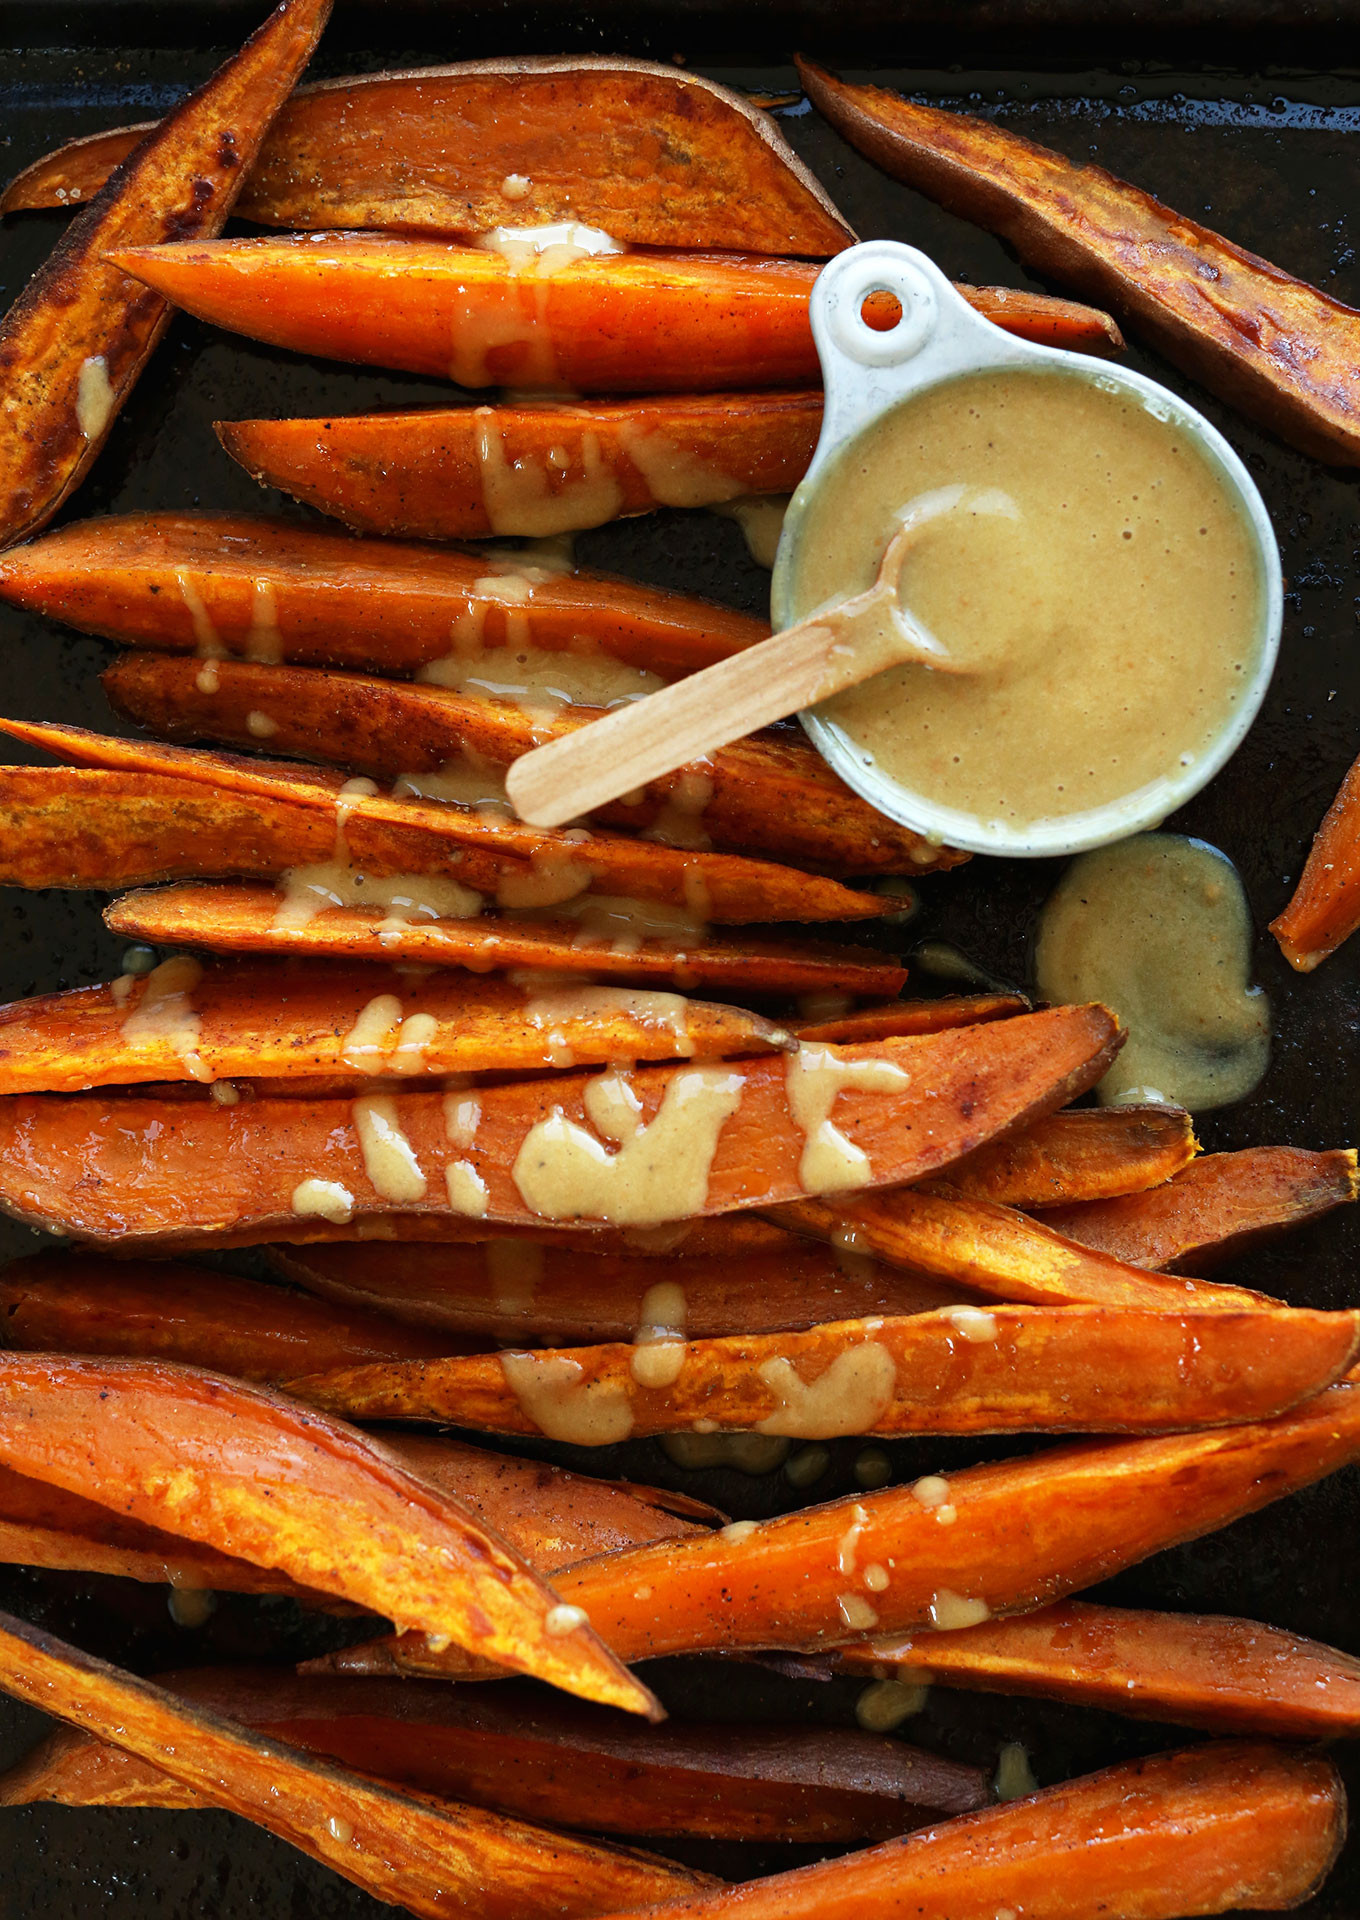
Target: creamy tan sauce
(264, 642)
(761, 519)
(552, 878)
(747, 1452)
(527, 496)
(95, 399)
(165, 1015)
(389, 1158)
(467, 1191)
(659, 1343)
(207, 644)
(661, 1173)
(308, 891)
(541, 680)
(849, 1396)
(1082, 563)
(950, 1611)
(1159, 929)
(814, 1080)
(327, 1199)
(555, 1002)
(675, 477)
(555, 1395)
(679, 823)
(887, 1703)
(466, 782)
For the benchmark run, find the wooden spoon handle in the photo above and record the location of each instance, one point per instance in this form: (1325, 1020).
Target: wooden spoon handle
(652, 737)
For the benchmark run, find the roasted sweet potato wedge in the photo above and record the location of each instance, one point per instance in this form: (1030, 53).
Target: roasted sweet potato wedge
(618, 939)
(771, 794)
(1004, 1538)
(606, 323)
(76, 1303)
(891, 1019)
(1196, 1670)
(1215, 1208)
(1274, 346)
(549, 1516)
(1324, 910)
(44, 1526)
(539, 1759)
(245, 1472)
(436, 1859)
(219, 584)
(535, 468)
(265, 1020)
(1088, 1153)
(74, 342)
(1196, 1832)
(957, 1370)
(521, 1293)
(658, 155)
(997, 1251)
(697, 1139)
(333, 838)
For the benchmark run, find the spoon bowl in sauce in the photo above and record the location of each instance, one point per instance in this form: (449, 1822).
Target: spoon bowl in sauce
(1089, 561)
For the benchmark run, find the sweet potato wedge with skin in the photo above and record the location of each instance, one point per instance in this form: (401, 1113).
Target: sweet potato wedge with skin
(539, 1759)
(548, 1515)
(1324, 910)
(438, 1859)
(520, 866)
(1281, 350)
(220, 584)
(44, 1526)
(1025, 1532)
(1088, 1153)
(893, 1018)
(161, 1310)
(609, 323)
(998, 1251)
(1217, 1207)
(770, 793)
(245, 920)
(535, 468)
(956, 1370)
(249, 1474)
(1195, 1832)
(252, 1019)
(708, 1140)
(658, 156)
(517, 1293)
(1194, 1670)
(78, 336)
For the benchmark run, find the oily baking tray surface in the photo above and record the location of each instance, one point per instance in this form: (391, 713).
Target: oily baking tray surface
(1270, 158)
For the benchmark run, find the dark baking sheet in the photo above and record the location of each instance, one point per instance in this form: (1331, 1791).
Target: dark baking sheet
(1269, 156)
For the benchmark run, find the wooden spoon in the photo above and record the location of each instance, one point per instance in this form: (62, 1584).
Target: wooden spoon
(837, 648)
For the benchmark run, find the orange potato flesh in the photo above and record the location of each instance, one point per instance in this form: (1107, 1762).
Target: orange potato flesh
(539, 1759)
(771, 794)
(548, 1515)
(1279, 349)
(305, 818)
(997, 1251)
(1087, 1153)
(657, 156)
(184, 1451)
(1025, 1532)
(891, 1018)
(1196, 1670)
(613, 323)
(74, 342)
(532, 468)
(74, 1303)
(261, 1020)
(521, 1293)
(244, 919)
(141, 1170)
(957, 1370)
(239, 584)
(1324, 910)
(437, 1859)
(1216, 1207)
(1196, 1832)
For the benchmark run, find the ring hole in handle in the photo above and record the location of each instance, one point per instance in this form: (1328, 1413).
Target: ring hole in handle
(879, 311)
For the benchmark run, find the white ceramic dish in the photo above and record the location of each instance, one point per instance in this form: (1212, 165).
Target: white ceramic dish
(940, 338)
